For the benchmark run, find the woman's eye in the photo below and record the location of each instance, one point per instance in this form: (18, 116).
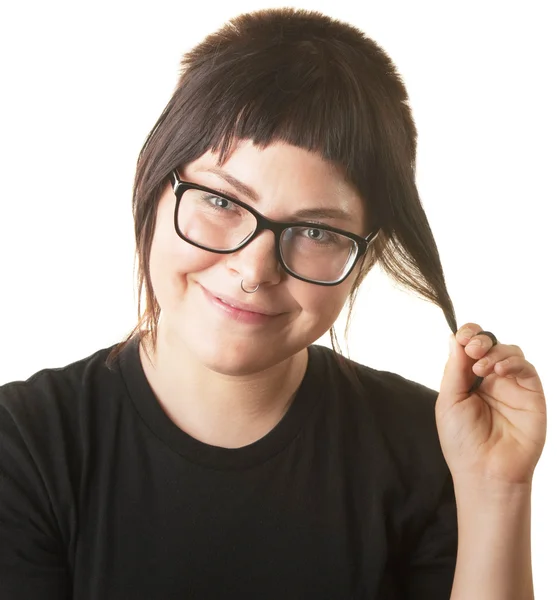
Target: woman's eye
(316, 234)
(220, 202)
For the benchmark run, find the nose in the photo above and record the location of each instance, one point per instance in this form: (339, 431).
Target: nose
(257, 263)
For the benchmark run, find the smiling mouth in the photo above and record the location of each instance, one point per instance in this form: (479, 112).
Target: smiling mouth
(243, 307)
(240, 307)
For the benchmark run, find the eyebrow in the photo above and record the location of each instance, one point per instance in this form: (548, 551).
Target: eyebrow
(304, 213)
(235, 183)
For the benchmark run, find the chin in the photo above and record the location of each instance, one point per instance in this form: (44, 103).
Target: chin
(237, 358)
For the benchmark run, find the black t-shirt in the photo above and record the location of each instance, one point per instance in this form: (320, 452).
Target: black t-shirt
(102, 496)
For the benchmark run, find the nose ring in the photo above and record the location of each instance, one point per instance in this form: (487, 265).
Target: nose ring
(248, 291)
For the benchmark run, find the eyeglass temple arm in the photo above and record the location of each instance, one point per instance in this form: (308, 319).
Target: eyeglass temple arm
(371, 237)
(174, 179)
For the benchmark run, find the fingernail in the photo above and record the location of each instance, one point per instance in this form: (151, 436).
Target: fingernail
(452, 342)
(467, 333)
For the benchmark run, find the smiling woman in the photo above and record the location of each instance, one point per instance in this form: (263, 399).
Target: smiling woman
(219, 452)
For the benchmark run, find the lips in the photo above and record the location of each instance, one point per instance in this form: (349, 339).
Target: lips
(240, 307)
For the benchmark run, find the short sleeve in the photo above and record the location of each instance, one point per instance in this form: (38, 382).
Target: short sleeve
(428, 569)
(32, 564)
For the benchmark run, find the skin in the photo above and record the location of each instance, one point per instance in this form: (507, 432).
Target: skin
(492, 440)
(497, 433)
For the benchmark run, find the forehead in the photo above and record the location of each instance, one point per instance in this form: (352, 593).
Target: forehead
(281, 173)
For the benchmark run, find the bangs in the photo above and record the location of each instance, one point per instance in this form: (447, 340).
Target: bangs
(299, 95)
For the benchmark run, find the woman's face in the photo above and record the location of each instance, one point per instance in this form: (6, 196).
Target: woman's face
(188, 282)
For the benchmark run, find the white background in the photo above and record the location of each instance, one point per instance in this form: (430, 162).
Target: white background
(83, 83)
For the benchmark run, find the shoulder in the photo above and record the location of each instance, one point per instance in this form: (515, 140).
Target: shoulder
(396, 413)
(49, 402)
(385, 390)
(49, 426)
(392, 430)
(45, 424)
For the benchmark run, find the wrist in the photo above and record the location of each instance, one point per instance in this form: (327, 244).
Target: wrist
(488, 492)
(494, 549)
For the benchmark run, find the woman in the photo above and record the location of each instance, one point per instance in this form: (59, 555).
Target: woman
(217, 452)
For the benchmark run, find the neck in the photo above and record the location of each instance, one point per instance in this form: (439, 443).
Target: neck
(222, 410)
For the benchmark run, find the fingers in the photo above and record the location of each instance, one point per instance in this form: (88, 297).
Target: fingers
(476, 344)
(493, 357)
(507, 360)
(498, 362)
(476, 351)
(515, 366)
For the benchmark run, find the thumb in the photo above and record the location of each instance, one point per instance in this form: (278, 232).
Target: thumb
(458, 376)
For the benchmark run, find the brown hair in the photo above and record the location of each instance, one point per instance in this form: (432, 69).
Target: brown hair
(311, 81)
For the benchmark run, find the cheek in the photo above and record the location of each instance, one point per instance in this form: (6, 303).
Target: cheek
(321, 304)
(171, 260)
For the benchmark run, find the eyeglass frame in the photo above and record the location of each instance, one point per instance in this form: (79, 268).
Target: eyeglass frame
(263, 223)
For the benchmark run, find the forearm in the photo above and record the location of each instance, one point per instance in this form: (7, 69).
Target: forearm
(494, 552)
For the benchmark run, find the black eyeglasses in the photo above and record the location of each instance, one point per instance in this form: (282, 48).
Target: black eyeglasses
(308, 251)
